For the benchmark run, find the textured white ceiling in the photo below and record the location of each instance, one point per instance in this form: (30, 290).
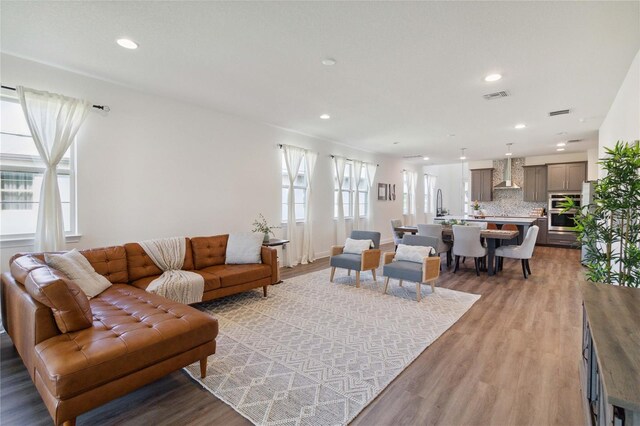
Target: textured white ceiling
(407, 71)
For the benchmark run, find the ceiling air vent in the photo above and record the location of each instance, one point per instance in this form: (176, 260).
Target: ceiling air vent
(574, 140)
(496, 95)
(559, 112)
(412, 156)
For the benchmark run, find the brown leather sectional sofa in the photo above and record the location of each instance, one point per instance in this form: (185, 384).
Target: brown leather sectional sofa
(83, 353)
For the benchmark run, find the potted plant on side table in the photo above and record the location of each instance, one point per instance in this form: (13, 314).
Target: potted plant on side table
(261, 225)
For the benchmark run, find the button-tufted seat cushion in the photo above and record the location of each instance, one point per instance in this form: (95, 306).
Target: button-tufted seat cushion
(132, 329)
(231, 275)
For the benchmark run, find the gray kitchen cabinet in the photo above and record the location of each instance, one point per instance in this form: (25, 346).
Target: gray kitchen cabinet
(566, 177)
(535, 184)
(482, 185)
(542, 231)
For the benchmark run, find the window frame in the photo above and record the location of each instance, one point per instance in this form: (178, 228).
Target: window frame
(302, 171)
(351, 192)
(72, 234)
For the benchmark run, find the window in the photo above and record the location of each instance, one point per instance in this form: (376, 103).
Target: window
(21, 173)
(429, 194)
(299, 188)
(348, 192)
(363, 193)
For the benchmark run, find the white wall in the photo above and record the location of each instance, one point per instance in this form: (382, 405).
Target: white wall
(622, 122)
(592, 164)
(155, 167)
(449, 178)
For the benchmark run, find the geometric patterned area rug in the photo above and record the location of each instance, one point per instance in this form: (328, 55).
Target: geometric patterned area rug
(317, 353)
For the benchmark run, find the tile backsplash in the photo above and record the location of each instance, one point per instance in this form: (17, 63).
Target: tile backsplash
(509, 201)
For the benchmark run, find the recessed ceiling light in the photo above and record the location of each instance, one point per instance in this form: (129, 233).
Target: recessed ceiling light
(561, 133)
(560, 149)
(325, 116)
(425, 158)
(492, 77)
(452, 135)
(561, 144)
(127, 44)
(328, 62)
(520, 126)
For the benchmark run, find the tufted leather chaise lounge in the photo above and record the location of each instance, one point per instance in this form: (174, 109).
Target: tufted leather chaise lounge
(81, 354)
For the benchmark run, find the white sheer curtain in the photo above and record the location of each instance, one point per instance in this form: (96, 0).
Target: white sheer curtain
(357, 176)
(412, 178)
(293, 158)
(373, 195)
(341, 232)
(53, 121)
(308, 254)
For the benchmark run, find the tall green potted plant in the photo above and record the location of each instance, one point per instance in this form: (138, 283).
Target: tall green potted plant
(609, 227)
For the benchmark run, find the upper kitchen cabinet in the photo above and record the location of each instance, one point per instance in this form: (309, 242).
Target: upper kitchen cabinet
(482, 184)
(535, 184)
(566, 177)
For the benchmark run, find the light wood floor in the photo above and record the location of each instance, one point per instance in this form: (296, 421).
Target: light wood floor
(512, 359)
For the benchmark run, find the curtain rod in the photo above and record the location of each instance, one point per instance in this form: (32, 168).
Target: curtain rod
(100, 107)
(349, 159)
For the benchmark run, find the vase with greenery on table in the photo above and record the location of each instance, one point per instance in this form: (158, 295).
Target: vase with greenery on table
(261, 225)
(609, 227)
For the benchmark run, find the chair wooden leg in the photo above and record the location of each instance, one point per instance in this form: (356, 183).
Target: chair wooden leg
(333, 272)
(433, 286)
(449, 258)
(373, 272)
(348, 272)
(70, 422)
(464, 259)
(400, 283)
(264, 291)
(357, 279)
(418, 291)
(203, 368)
(386, 284)
(526, 262)
(524, 269)
(476, 261)
(455, 269)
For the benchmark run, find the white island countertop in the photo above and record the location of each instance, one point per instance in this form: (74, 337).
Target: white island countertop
(498, 220)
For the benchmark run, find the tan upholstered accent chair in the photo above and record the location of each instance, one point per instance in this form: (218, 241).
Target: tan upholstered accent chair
(368, 261)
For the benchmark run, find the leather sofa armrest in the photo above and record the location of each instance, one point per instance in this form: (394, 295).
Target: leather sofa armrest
(370, 259)
(388, 257)
(430, 268)
(269, 257)
(27, 321)
(336, 250)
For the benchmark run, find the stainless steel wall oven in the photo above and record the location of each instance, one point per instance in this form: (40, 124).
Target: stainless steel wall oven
(559, 220)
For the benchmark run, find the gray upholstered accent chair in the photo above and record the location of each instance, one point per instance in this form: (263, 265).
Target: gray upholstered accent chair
(397, 236)
(369, 260)
(425, 272)
(524, 251)
(435, 231)
(466, 243)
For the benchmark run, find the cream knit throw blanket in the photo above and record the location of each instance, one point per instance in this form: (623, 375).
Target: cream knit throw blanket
(174, 283)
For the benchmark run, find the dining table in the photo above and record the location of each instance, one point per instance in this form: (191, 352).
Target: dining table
(492, 236)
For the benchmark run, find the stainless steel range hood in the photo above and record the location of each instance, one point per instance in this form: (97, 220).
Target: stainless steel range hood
(507, 183)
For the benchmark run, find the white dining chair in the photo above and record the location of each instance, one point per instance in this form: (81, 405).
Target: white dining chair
(435, 231)
(397, 236)
(466, 243)
(524, 251)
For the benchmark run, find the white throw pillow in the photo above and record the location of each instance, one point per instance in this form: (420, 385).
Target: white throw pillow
(356, 246)
(244, 248)
(78, 269)
(413, 253)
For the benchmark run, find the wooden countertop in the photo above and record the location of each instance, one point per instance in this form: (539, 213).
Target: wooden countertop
(499, 220)
(614, 318)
